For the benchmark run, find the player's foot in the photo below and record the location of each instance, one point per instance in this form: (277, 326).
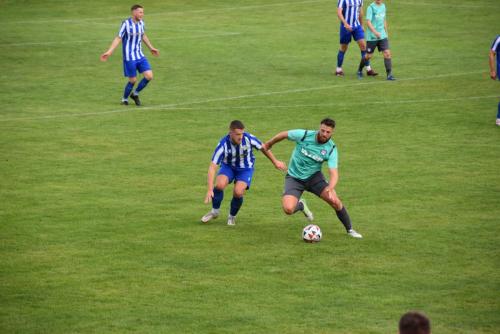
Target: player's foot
(339, 73)
(359, 74)
(371, 73)
(124, 103)
(498, 122)
(136, 99)
(231, 220)
(308, 213)
(354, 234)
(390, 77)
(209, 216)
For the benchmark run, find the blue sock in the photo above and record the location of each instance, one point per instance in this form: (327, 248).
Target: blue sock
(236, 203)
(498, 113)
(363, 55)
(144, 82)
(340, 58)
(217, 200)
(128, 89)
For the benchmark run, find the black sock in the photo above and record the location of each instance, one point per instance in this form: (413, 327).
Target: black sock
(362, 64)
(344, 218)
(299, 207)
(388, 65)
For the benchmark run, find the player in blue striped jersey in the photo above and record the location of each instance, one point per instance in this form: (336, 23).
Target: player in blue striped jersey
(495, 70)
(350, 14)
(132, 34)
(234, 154)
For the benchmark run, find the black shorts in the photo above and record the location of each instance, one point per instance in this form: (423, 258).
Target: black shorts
(295, 187)
(381, 44)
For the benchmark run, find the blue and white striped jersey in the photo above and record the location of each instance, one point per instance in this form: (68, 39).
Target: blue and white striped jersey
(351, 10)
(131, 35)
(237, 156)
(495, 47)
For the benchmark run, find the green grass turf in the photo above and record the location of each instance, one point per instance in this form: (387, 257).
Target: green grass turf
(100, 204)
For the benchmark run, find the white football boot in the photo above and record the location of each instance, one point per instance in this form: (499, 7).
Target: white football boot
(308, 213)
(209, 216)
(231, 220)
(354, 234)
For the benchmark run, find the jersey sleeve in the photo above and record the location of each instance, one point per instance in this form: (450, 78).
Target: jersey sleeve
(333, 159)
(495, 44)
(255, 142)
(340, 4)
(123, 29)
(218, 154)
(369, 13)
(296, 135)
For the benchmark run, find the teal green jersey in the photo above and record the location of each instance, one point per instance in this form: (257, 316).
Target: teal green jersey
(376, 15)
(309, 155)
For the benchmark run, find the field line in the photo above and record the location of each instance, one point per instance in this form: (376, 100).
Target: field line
(173, 13)
(230, 98)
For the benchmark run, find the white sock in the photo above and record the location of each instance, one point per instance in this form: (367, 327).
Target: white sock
(339, 69)
(216, 211)
(368, 68)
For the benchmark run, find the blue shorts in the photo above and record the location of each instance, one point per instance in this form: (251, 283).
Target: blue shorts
(345, 35)
(233, 174)
(131, 67)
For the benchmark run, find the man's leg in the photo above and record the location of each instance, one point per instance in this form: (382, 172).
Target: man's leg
(221, 183)
(144, 68)
(334, 201)
(340, 59)
(237, 201)
(362, 47)
(498, 115)
(128, 88)
(388, 64)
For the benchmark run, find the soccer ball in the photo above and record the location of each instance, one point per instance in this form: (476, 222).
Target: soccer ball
(311, 233)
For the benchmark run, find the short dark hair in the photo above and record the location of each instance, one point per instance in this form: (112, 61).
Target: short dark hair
(414, 322)
(328, 122)
(134, 7)
(236, 125)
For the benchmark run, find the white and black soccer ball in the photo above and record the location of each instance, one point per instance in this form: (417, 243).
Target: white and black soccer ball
(311, 233)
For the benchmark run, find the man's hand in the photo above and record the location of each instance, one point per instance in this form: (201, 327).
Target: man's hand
(155, 52)
(348, 27)
(493, 75)
(105, 56)
(209, 196)
(377, 34)
(280, 165)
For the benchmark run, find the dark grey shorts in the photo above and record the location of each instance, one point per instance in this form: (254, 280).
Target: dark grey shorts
(382, 45)
(295, 187)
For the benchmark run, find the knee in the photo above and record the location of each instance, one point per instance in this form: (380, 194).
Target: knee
(238, 193)
(337, 204)
(132, 80)
(288, 210)
(387, 54)
(220, 186)
(148, 76)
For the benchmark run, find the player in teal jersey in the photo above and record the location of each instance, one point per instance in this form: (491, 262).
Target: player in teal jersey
(377, 35)
(312, 149)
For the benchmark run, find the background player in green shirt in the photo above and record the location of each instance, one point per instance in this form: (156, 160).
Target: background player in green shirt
(304, 172)
(377, 34)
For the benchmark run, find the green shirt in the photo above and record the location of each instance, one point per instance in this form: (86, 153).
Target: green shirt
(376, 15)
(309, 155)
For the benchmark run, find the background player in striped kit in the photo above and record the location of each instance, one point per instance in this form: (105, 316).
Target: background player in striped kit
(495, 70)
(350, 14)
(234, 154)
(131, 34)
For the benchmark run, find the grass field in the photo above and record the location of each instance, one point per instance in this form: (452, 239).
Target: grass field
(100, 203)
